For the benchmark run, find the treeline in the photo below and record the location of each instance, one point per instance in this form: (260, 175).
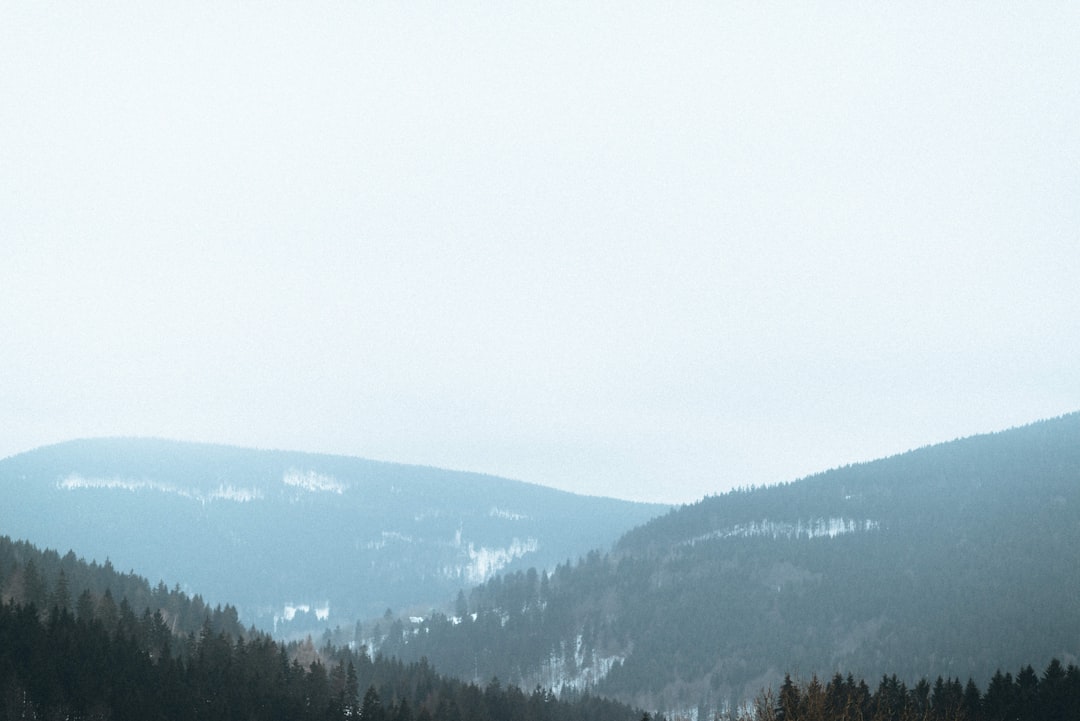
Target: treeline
(66, 667)
(44, 578)
(98, 658)
(1055, 696)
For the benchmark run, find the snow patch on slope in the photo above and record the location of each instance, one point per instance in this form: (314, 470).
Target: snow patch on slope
(75, 481)
(291, 610)
(485, 562)
(239, 495)
(496, 512)
(577, 669)
(815, 528)
(313, 481)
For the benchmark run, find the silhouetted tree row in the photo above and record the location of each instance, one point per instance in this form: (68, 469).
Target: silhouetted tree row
(44, 578)
(63, 665)
(1055, 696)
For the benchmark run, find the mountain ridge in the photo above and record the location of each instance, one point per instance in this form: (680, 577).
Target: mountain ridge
(310, 528)
(227, 447)
(954, 559)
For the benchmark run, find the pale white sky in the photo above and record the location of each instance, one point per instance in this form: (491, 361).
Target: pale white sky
(619, 248)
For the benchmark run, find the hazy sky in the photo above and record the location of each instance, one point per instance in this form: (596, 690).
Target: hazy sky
(648, 250)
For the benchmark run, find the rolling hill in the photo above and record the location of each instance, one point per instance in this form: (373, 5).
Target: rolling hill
(955, 560)
(297, 542)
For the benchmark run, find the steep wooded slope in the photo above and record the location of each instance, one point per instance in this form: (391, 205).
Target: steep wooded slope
(953, 560)
(105, 655)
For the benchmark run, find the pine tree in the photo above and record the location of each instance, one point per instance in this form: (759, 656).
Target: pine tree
(371, 709)
(84, 607)
(1027, 689)
(106, 611)
(1053, 700)
(61, 595)
(787, 708)
(403, 712)
(35, 590)
(1000, 697)
(972, 701)
(351, 707)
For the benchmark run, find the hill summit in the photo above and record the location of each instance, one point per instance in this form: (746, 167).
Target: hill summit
(955, 560)
(296, 540)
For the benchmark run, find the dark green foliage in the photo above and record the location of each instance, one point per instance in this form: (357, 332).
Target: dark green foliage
(52, 578)
(1055, 698)
(109, 662)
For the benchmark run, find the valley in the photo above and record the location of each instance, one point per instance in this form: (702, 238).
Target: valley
(952, 561)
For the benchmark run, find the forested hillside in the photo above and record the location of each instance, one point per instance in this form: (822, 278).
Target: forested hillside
(98, 659)
(953, 560)
(297, 541)
(45, 579)
(107, 656)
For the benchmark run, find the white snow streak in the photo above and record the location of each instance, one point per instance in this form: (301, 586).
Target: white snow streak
(816, 528)
(485, 562)
(585, 670)
(236, 494)
(496, 512)
(239, 495)
(313, 481)
(290, 610)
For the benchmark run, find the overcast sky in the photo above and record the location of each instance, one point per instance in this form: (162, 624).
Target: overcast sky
(647, 250)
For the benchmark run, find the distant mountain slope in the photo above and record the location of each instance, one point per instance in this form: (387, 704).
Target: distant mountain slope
(954, 560)
(295, 539)
(81, 641)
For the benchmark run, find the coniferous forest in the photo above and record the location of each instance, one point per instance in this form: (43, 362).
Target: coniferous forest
(82, 654)
(100, 656)
(948, 573)
(61, 664)
(951, 560)
(1053, 696)
(57, 665)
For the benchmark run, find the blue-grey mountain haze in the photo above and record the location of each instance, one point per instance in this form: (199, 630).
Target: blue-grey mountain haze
(627, 249)
(299, 541)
